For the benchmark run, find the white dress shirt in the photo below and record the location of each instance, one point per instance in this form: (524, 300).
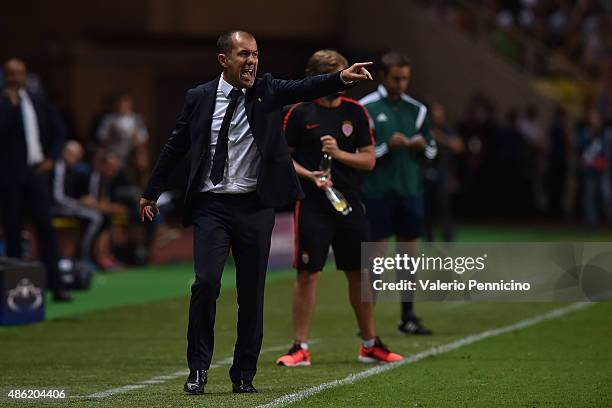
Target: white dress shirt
(240, 173)
(30, 128)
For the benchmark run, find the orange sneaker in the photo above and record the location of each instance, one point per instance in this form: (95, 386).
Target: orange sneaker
(296, 356)
(378, 353)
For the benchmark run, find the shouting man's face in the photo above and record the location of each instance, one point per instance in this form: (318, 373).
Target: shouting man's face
(240, 66)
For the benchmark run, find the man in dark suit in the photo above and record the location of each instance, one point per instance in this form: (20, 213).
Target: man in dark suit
(31, 139)
(240, 171)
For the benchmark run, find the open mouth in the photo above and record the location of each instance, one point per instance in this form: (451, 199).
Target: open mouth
(247, 74)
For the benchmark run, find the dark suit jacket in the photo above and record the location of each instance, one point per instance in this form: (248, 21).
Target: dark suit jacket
(277, 183)
(13, 150)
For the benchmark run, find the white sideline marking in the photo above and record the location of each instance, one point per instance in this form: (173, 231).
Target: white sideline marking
(164, 378)
(351, 378)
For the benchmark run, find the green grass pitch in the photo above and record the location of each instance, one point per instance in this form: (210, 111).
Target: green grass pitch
(132, 327)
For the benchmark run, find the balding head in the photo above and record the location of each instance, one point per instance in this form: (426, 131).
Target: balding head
(225, 42)
(15, 73)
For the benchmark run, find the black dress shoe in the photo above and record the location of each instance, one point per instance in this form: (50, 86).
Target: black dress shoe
(413, 326)
(243, 387)
(62, 296)
(196, 381)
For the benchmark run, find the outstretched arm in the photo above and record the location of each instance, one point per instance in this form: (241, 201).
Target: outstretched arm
(291, 91)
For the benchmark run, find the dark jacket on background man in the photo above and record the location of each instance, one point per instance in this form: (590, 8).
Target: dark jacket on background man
(23, 187)
(13, 150)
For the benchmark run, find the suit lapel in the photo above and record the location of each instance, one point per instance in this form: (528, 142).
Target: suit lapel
(249, 97)
(207, 108)
(249, 106)
(202, 122)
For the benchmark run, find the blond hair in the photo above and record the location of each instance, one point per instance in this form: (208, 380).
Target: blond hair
(325, 61)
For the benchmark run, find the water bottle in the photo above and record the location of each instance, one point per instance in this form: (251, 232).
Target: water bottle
(325, 166)
(338, 201)
(334, 196)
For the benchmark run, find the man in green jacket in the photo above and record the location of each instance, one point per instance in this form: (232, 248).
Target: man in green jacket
(393, 192)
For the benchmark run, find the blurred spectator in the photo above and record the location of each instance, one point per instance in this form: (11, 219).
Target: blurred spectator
(437, 176)
(593, 145)
(106, 107)
(559, 163)
(558, 23)
(504, 38)
(101, 185)
(123, 130)
(477, 128)
(33, 83)
(136, 176)
(512, 178)
(453, 16)
(604, 100)
(527, 15)
(115, 193)
(529, 126)
(124, 135)
(31, 136)
(565, 33)
(65, 191)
